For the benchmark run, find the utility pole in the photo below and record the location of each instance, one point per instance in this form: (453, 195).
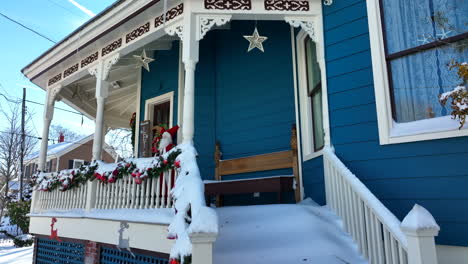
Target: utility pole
(23, 139)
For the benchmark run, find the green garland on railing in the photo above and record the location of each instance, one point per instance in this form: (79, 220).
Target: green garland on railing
(69, 179)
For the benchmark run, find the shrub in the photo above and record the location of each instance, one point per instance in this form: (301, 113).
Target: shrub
(17, 212)
(23, 240)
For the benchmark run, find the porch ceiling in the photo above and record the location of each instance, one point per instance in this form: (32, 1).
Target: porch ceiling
(123, 87)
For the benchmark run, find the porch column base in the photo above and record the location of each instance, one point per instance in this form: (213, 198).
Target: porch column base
(202, 247)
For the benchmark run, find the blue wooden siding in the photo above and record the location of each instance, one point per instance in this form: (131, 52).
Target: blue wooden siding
(244, 100)
(162, 78)
(430, 173)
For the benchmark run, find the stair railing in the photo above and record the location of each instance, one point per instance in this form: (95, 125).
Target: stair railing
(381, 237)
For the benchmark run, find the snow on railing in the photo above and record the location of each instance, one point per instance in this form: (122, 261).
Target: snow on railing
(170, 180)
(380, 236)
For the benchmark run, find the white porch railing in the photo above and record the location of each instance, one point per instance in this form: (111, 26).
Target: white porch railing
(125, 193)
(380, 236)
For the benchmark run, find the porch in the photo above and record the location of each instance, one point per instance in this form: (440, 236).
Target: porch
(250, 113)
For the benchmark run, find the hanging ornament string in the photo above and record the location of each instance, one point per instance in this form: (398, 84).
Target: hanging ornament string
(164, 12)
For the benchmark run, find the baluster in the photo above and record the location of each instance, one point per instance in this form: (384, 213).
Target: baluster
(158, 193)
(153, 191)
(394, 249)
(388, 256)
(119, 195)
(362, 227)
(142, 194)
(401, 254)
(353, 211)
(112, 196)
(148, 193)
(370, 251)
(134, 195)
(378, 238)
(349, 210)
(163, 191)
(169, 188)
(128, 188)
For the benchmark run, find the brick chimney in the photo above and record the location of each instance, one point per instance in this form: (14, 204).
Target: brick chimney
(61, 138)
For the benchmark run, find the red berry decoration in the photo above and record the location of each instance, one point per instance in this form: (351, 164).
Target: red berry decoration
(174, 261)
(138, 180)
(177, 164)
(166, 162)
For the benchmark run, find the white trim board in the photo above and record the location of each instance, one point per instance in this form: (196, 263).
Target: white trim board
(386, 125)
(167, 97)
(307, 143)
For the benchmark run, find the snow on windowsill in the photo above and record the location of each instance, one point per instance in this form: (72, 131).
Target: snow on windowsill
(162, 216)
(437, 124)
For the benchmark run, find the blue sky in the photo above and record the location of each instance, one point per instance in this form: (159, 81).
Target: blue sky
(54, 19)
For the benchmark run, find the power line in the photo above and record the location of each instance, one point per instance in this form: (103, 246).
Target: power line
(40, 138)
(37, 103)
(26, 27)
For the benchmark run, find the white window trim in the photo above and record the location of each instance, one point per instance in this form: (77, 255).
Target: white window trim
(308, 151)
(77, 160)
(382, 90)
(167, 97)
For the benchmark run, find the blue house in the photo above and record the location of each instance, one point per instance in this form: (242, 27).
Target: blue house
(359, 80)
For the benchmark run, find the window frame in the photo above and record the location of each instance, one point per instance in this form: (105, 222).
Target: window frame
(77, 160)
(164, 98)
(383, 89)
(309, 151)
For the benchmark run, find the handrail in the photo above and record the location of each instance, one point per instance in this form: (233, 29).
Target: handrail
(378, 233)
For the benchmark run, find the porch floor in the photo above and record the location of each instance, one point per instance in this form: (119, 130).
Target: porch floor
(284, 233)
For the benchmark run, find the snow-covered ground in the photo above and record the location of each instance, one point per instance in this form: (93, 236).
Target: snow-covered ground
(11, 255)
(286, 233)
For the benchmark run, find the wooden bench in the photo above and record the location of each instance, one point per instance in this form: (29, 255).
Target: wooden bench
(264, 162)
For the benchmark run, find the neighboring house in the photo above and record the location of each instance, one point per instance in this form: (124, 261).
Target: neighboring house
(67, 155)
(359, 77)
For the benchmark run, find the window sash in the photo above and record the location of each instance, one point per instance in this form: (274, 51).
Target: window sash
(314, 88)
(391, 57)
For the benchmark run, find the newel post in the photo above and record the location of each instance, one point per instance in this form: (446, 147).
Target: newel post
(202, 247)
(420, 229)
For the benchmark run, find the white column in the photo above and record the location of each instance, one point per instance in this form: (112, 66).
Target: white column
(190, 55)
(420, 229)
(48, 115)
(202, 247)
(102, 91)
(188, 124)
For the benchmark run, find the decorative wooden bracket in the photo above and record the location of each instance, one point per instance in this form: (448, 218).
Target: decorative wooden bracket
(306, 24)
(206, 22)
(176, 28)
(104, 66)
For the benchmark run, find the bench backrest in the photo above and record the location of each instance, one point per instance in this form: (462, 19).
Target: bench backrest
(265, 162)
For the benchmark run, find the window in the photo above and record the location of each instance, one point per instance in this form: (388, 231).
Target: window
(311, 96)
(413, 44)
(314, 89)
(77, 163)
(49, 166)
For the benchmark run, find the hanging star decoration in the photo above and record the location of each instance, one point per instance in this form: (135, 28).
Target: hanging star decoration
(143, 60)
(255, 41)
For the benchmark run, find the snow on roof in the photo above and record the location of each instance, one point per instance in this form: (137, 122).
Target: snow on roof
(59, 147)
(286, 233)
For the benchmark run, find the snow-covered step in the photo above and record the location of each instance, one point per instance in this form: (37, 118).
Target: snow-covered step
(285, 233)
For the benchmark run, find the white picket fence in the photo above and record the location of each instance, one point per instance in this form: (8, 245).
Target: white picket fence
(378, 233)
(125, 193)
